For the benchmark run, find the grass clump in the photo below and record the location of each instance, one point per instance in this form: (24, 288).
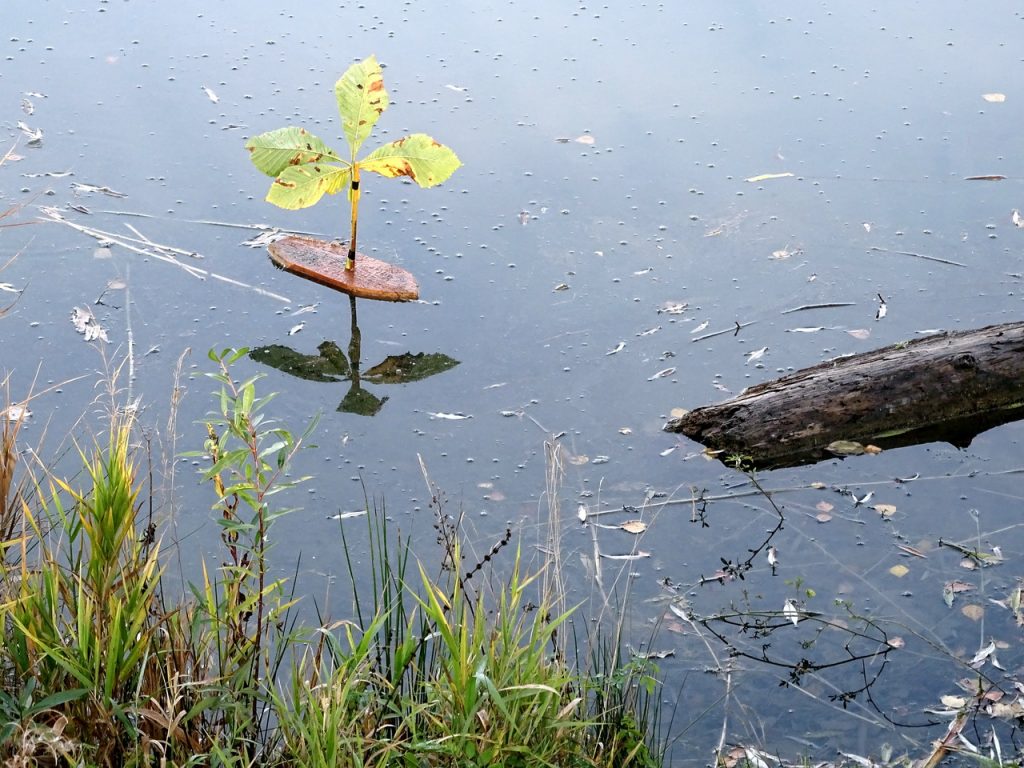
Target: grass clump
(465, 664)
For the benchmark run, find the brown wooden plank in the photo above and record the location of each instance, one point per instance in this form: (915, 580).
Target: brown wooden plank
(900, 394)
(324, 263)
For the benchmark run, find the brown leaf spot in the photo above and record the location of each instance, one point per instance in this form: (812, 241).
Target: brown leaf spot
(285, 184)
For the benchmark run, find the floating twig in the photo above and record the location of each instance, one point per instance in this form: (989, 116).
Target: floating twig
(925, 256)
(734, 330)
(827, 305)
(155, 251)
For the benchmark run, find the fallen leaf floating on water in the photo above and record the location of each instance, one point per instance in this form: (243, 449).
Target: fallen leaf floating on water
(979, 658)
(973, 612)
(638, 555)
(757, 354)
(953, 702)
(211, 95)
(994, 98)
(616, 349)
(8, 288)
(347, 515)
(899, 571)
(911, 550)
(1017, 219)
(667, 451)
(585, 139)
(296, 328)
(952, 588)
(872, 450)
(790, 611)
(672, 308)
(649, 331)
(986, 177)
(823, 517)
(78, 188)
(662, 374)
(561, 287)
(785, 253)
(634, 526)
(652, 654)
(85, 323)
(882, 308)
(815, 329)
(701, 327)
(15, 413)
(48, 175)
(448, 416)
(601, 460)
(581, 513)
(885, 510)
(860, 333)
(769, 176)
(27, 107)
(625, 431)
(456, 88)
(34, 135)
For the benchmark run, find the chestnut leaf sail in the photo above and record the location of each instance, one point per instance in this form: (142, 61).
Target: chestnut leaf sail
(305, 168)
(417, 156)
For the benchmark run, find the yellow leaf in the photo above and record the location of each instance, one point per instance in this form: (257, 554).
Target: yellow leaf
(899, 571)
(886, 510)
(634, 526)
(874, 450)
(768, 176)
(973, 612)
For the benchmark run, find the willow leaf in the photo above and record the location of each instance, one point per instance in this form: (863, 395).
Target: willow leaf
(361, 99)
(417, 156)
(274, 151)
(300, 186)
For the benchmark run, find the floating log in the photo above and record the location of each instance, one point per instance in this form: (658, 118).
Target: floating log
(948, 386)
(324, 263)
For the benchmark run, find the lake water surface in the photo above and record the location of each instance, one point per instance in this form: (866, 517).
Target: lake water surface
(604, 221)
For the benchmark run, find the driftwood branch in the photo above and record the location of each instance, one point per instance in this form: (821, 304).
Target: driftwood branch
(949, 386)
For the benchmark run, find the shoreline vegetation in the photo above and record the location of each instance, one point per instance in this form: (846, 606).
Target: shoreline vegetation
(455, 661)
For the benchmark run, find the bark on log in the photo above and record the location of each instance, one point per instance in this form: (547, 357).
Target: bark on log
(948, 386)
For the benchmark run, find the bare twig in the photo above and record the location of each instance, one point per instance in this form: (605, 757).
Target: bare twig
(155, 251)
(733, 329)
(826, 305)
(919, 256)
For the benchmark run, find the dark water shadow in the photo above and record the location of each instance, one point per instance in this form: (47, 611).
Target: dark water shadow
(332, 364)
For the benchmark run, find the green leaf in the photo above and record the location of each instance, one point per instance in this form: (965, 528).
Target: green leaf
(300, 186)
(361, 100)
(274, 151)
(417, 156)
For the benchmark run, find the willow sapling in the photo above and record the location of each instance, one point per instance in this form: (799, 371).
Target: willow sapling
(305, 168)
